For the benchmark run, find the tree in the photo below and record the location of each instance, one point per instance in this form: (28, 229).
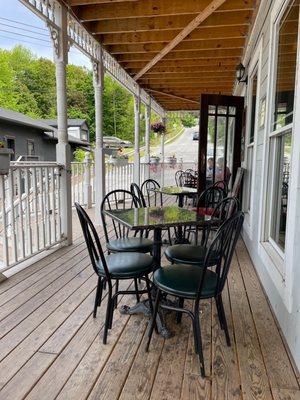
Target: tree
(189, 120)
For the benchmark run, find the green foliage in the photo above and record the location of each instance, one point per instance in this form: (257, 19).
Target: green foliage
(79, 155)
(189, 120)
(27, 85)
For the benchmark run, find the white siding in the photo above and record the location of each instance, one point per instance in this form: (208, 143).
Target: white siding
(282, 289)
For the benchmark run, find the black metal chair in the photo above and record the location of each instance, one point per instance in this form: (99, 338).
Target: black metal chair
(178, 179)
(222, 185)
(194, 283)
(122, 241)
(114, 267)
(154, 199)
(195, 254)
(137, 192)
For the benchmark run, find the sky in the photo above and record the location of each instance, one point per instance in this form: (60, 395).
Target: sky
(19, 25)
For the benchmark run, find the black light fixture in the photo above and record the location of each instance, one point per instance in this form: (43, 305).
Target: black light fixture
(240, 74)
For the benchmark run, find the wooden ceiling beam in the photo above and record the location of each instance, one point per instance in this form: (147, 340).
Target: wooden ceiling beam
(206, 77)
(168, 23)
(180, 55)
(154, 8)
(183, 46)
(207, 11)
(171, 95)
(217, 32)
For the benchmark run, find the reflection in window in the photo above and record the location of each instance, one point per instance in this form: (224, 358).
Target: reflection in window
(286, 66)
(282, 148)
(281, 141)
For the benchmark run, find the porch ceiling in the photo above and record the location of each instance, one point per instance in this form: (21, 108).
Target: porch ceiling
(175, 49)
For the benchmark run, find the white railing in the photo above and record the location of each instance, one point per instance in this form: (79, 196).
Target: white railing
(30, 217)
(119, 177)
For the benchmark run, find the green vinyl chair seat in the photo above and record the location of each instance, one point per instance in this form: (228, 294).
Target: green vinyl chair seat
(133, 244)
(189, 254)
(127, 265)
(183, 280)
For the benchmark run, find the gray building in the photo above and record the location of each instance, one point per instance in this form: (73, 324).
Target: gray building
(33, 139)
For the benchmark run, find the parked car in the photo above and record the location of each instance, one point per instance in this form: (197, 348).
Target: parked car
(196, 135)
(113, 141)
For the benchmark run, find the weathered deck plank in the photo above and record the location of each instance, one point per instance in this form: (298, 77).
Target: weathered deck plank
(51, 348)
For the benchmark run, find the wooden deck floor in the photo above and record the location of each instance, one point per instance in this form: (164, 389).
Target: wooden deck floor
(51, 346)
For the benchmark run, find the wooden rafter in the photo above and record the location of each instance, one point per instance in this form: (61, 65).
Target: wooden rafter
(172, 95)
(183, 34)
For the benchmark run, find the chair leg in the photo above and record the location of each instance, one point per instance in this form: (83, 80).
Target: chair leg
(116, 290)
(153, 322)
(179, 314)
(149, 294)
(98, 297)
(136, 288)
(107, 318)
(220, 316)
(224, 321)
(198, 344)
(111, 314)
(169, 237)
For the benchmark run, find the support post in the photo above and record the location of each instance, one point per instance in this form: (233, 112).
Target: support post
(63, 149)
(98, 73)
(87, 181)
(162, 152)
(136, 170)
(147, 138)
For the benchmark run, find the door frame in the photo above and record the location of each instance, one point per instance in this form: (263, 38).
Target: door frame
(218, 100)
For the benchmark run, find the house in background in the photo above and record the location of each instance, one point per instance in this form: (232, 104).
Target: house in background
(78, 128)
(34, 139)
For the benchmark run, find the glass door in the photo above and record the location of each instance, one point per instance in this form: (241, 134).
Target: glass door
(220, 139)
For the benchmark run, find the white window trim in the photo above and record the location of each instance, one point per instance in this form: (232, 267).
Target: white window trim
(282, 281)
(254, 67)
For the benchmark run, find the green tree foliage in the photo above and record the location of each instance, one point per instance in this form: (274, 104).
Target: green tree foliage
(189, 120)
(27, 85)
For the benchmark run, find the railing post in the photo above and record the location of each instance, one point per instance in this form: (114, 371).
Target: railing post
(63, 149)
(4, 226)
(87, 181)
(147, 138)
(162, 152)
(136, 171)
(98, 75)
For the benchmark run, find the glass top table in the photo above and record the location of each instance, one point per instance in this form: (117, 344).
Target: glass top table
(157, 218)
(179, 191)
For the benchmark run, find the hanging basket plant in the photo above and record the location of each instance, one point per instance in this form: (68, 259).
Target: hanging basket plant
(158, 127)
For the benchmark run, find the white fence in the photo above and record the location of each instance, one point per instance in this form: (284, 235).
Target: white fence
(30, 217)
(30, 213)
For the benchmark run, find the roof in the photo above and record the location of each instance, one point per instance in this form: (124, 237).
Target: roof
(21, 119)
(71, 122)
(176, 50)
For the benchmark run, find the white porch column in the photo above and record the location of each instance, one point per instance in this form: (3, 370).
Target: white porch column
(162, 152)
(136, 168)
(98, 71)
(87, 181)
(63, 149)
(147, 137)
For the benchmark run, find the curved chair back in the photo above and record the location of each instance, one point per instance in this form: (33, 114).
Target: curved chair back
(136, 191)
(221, 250)
(210, 198)
(92, 242)
(117, 200)
(178, 177)
(152, 198)
(222, 185)
(226, 208)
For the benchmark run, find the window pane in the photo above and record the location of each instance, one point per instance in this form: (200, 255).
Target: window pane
(220, 148)
(281, 148)
(253, 107)
(222, 110)
(286, 66)
(210, 150)
(212, 109)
